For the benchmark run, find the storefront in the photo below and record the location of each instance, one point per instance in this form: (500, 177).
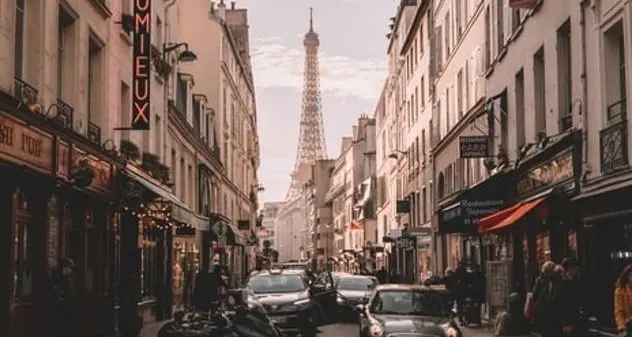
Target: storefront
(56, 202)
(458, 221)
(539, 224)
(153, 223)
(606, 239)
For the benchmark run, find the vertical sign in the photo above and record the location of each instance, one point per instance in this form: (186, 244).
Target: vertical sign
(142, 68)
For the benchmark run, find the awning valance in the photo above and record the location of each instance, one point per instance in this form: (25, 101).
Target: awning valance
(179, 211)
(507, 216)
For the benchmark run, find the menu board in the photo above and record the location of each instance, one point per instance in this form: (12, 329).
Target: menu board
(499, 281)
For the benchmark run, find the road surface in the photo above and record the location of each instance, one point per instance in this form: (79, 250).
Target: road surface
(351, 330)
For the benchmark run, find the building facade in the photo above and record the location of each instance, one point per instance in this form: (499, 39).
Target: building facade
(220, 108)
(103, 190)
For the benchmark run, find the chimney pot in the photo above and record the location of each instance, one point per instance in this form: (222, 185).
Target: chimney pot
(232, 5)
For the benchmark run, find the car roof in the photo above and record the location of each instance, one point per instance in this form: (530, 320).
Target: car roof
(356, 276)
(280, 272)
(395, 287)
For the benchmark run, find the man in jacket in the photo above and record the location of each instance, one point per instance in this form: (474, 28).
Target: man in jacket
(574, 324)
(63, 298)
(210, 286)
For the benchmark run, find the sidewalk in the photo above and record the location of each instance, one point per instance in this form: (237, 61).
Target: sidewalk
(151, 329)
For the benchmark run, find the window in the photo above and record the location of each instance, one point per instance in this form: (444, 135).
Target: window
(157, 136)
(488, 38)
(564, 76)
(20, 39)
(423, 146)
(126, 102)
(520, 93)
(181, 96)
(459, 94)
(22, 247)
(408, 302)
(447, 36)
(457, 19)
(95, 80)
(539, 88)
(421, 39)
(148, 257)
(616, 91)
(183, 181)
(197, 112)
(422, 91)
(500, 24)
(64, 52)
(439, 48)
(173, 168)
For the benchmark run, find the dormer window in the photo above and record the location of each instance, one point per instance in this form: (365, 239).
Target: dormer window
(183, 94)
(199, 115)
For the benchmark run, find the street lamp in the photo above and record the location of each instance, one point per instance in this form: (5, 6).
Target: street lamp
(395, 154)
(185, 56)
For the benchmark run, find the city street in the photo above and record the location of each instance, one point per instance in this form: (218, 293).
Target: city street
(351, 330)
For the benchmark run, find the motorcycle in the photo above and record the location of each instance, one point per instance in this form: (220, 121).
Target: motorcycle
(237, 315)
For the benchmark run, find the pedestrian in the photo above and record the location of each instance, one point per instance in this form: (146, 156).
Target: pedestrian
(555, 313)
(63, 299)
(478, 292)
(210, 286)
(540, 283)
(576, 323)
(623, 302)
(381, 275)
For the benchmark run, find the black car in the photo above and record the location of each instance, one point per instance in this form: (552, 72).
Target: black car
(352, 290)
(410, 310)
(293, 304)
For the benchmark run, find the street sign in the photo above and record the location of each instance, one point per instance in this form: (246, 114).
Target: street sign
(474, 147)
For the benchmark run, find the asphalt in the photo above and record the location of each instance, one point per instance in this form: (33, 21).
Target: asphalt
(333, 330)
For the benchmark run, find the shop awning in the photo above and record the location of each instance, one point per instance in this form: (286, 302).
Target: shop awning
(179, 211)
(507, 216)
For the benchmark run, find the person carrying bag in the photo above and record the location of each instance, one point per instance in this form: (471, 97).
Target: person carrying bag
(623, 302)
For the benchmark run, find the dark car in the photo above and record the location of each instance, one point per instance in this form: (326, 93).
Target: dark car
(352, 290)
(294, 305)
(410, 310)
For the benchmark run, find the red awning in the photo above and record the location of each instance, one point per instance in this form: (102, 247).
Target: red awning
(507, 216)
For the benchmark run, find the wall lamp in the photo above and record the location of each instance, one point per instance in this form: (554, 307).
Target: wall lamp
(185, 56)
(395, 154)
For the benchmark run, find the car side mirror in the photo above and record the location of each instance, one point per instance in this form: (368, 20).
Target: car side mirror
(359, 308)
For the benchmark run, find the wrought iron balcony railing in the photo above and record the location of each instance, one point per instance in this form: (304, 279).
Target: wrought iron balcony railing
(65, 114)
(94, 133)
(24, 92)
(613, 147)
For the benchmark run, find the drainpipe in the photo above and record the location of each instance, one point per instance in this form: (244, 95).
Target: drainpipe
(165, 99)
(584, 100)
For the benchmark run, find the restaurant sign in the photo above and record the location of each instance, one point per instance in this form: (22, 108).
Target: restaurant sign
(103, 174)
(553, 172)
(142, 65)
(24, 144)
(463, 217)
(474, 147)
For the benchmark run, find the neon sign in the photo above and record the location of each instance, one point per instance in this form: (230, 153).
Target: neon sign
(142, 65)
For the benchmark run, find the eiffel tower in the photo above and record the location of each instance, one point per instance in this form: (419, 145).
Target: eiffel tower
(311, 142)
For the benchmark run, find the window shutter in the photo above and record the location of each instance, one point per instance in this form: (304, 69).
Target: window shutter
(493, 30)
(507, 16)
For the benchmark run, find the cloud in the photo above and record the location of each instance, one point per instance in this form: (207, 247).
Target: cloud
(278, 65)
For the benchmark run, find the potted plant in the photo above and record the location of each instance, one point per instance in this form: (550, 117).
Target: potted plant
(82, 173)
(129, 151)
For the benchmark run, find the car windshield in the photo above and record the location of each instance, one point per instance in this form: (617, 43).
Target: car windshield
(294, 266)
(355, 282)
(276, 284)
(407, 302)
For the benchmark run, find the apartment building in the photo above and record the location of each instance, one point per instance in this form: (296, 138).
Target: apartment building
(268, 227)
(220, 108)
(322, 229)
(418, 123)
(391, 131)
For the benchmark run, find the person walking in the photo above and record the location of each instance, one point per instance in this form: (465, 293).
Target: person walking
(209, 286)
(575, 322)
(623, 302)
(63, 298)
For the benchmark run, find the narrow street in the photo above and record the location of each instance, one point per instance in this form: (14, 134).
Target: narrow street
(351, 330)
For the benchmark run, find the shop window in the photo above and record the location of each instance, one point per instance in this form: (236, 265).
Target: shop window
(22, 248)
(148, 260)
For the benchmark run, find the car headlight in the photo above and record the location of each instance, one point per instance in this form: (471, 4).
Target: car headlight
(375, 330)
(340, 300)
(451, 332)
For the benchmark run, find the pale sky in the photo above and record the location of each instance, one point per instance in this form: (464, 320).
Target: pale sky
(352, 65)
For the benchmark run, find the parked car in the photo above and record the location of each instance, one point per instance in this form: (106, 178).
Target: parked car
(413, 310)
(294, 304)
(351, 291)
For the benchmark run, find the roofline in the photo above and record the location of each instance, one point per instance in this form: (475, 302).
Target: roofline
(421, 10)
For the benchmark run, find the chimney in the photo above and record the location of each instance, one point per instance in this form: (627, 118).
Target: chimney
(232, 5)
(221, 10)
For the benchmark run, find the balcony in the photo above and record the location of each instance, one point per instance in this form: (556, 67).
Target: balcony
(613, 140)
(94, 133)
(26, 94)
(65, 114)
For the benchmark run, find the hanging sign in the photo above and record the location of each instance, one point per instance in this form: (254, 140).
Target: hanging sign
(142, 65)
(474, 146)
